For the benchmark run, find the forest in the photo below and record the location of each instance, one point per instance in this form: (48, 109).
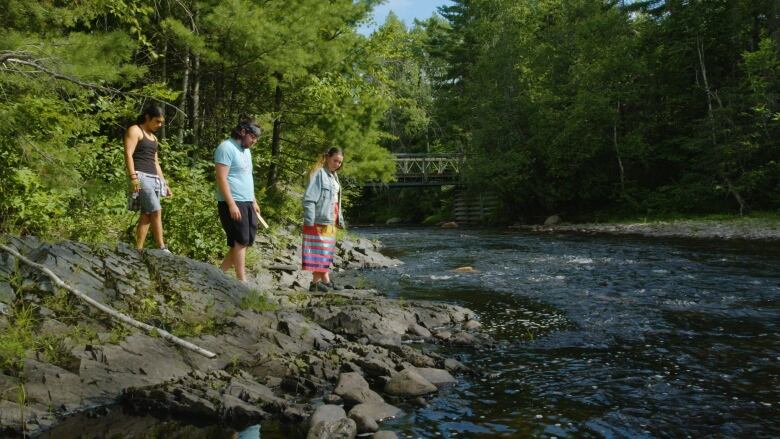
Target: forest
(585, 107)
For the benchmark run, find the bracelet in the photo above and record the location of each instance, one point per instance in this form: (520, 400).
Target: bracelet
(134, 177)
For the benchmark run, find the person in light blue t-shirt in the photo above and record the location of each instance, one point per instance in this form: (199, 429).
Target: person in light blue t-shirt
(236, 202)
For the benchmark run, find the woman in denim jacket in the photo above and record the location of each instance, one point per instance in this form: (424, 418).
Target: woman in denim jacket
(321, 216)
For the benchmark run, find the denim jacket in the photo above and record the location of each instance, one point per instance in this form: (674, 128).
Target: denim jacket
(318, 200)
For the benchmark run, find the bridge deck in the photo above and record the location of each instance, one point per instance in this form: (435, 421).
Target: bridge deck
(435, 169)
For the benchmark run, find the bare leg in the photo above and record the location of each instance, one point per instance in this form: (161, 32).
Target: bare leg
(236, 258)
(157, 228)
(227, 263)
(142, 230)
(239, 261)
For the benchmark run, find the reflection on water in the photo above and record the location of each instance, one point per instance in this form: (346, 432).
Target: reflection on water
(596, 337)
(599, 336)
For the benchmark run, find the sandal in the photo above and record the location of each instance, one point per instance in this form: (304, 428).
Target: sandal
(318, 286)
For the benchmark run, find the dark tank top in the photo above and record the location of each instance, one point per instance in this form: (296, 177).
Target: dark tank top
(143, 156)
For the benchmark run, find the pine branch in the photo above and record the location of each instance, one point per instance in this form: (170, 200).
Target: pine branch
(14, 58)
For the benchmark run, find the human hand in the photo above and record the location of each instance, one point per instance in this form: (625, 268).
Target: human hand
(257, 209)
(169, 192)
(235, 214)
(135, 184)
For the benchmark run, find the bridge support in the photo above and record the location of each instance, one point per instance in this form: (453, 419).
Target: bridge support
(474, 209)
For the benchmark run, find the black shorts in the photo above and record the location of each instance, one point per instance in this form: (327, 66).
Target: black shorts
(242, 231)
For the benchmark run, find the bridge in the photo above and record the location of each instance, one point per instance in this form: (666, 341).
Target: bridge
(442, 169)
(433, 169)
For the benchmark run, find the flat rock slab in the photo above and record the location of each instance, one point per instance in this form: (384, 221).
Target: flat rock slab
(378, 411)
(409, 383)
(326, 412)
(437, 377)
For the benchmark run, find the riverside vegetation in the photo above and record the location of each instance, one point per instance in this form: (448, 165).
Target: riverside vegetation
(571, 107)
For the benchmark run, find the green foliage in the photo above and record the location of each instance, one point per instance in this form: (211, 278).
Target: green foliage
(576, 106)
(19, 337)
(566, 106)
(257, 301)
(118, 334)
(76, 74)
(190, 216)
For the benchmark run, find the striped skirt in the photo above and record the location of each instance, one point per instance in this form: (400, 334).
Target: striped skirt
(319, 243)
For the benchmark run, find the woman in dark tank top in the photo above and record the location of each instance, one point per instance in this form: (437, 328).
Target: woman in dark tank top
(144, 156)
(147, 182)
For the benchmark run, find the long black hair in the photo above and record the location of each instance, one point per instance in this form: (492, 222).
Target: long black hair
(150, 112)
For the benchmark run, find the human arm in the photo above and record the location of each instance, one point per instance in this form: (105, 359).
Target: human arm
(340, 220)
(130, 142)
(160, 174)
(224, 189)
(310, 198)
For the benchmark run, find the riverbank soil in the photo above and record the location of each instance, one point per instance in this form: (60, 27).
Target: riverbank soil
(277, 345)
(757, 229)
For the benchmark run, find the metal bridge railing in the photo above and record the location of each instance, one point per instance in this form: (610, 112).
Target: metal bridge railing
(428, 169)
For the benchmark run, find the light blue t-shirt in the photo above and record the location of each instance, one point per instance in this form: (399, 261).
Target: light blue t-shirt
(239, 163)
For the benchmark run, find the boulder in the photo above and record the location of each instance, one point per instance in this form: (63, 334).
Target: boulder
(409, 383)
(437, 377)
(343, 428)
(384, 434)
(450, 225)
(348, 381)
(443, 334)
(472, 324)
(355, 390)
(420, 330)
(465, 270)
(237, 410)
(552, 220)
(463, 338)
(326, 413)
(453, 365)
(378, 411)
(394, 220)
(364, 422)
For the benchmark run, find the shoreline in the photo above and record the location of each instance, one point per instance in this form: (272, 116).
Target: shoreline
(747, 229)
(741, 229)
(279, 347)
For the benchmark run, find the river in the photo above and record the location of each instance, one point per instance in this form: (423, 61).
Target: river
(599, 336)
(596, 336)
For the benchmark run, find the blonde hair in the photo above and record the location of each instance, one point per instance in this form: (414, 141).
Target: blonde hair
(320, 163)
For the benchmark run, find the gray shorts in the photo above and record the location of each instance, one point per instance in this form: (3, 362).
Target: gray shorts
(152, 189)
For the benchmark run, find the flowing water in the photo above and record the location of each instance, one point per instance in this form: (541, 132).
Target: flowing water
(598, 336)
(607, 337)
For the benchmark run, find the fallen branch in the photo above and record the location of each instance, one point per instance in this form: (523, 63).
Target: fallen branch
(108, 310)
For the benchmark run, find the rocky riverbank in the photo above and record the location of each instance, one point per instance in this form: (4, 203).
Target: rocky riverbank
(277, 345)
(751, 229)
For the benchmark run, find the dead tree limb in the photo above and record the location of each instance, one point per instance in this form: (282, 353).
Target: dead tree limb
(124, 318)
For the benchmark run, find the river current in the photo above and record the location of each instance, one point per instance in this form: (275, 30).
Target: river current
(598, 336)
(595, 337)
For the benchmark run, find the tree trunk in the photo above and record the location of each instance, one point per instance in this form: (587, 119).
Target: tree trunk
(164, 79)
(276, 138)
(743, 207)
(185, 84)
(196, 101)
(617, 152)
(196, 87)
